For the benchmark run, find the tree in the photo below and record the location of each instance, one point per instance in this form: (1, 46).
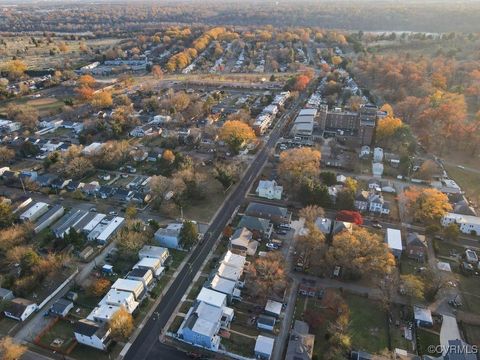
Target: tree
(427, 170)
(345, 200)
(121, 324)
(360, 253)
(102, 99)
(301, 83)
(10, 350)
(77, 167)
(268, 274)
(157, 72)
(388, 109)
(6, 155)
(451, 232)
(6, 215)
(188, 235)
(168, 156)
(86, 81)
(329, 178)
(299, 163)
(336, 60)
(84, 92)
(15, 69)
(353, 217)
(351, 184)
(413, 286)
(311, 213)
(25, 114)
(130, 239)
(426, 205)
(387, 127)
(130, 212)
(236, 133)
(99, 287)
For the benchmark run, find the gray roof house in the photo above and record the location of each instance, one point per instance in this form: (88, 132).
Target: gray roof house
(275, 214)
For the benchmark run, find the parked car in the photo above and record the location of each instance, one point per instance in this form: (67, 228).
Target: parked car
(113, 213)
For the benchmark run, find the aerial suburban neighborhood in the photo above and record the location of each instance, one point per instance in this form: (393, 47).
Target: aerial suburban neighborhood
(203, 180)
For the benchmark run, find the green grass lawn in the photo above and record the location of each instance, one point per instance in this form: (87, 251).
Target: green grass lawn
(62, 331)
(177, 257)
(368, 325)
(409, 266)
(197, 286)
(443, 248)
(240, 345)
(157, 290)
(242, 324)
(426, 339)
(176, 324)
(470, 287)
(203, 210)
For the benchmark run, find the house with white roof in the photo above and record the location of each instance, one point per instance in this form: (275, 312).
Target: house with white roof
(468, 224)
(133, 286)
(169, 236)
(264, 347)
(378, 154)
(103, 313)
(154, 252)
(204, 320)
(269, 189)
(120, 298)
(153, 264)
(393, 238)
(227, 287)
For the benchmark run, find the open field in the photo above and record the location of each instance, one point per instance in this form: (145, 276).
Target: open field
(45, 106)
(60, 336)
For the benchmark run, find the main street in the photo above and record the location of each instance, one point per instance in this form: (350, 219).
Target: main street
(147, 345)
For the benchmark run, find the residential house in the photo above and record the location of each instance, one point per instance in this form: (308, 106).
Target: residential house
(300, 343)
(170, 236)
(205, 318)
(340, 226)
(49, 218)
(61, 307)
(264, 347)
(34, 211)
(422, 316)
(378, 205)
(260, 228)
(143, 275)
(374, 184)
(361, 200)
(6, 294)
(227, 287)
(120, 298)
(91, 334)
(377, 169)
(269, 189)
(91, 189)
(273, 308)
(468, 224)
(387, 186)
(471, 256)
(364, 151)
(153, 264)
(324, 225)
(59, 183)
(457, 349)
(377, 155)
(242, 243)
(393, 238)
(416, 246)
(133, 286)
(265, 322)
(277, 215)
(103, 313)
(155, 252)
(20, 309)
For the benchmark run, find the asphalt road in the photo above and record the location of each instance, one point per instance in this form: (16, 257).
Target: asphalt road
(147, 344)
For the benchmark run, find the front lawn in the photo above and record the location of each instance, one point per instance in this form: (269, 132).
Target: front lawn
(368, 324)
(425, 339)
(240, 345)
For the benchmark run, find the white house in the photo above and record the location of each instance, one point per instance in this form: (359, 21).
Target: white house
(378, 154)
(204, 320)
(155, 252)
(377, 169)
(154, 264)
(468, 224)
(91, 334)
(120, 298)
(364, 151)
(377, 204)
(20, 309)
(264, 347)
(169, 236)
(133, 286)
(269, 189)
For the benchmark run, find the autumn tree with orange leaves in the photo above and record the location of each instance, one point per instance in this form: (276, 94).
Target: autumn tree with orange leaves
(360, 253)
(426, 205)
(299, 164)
(236, 133)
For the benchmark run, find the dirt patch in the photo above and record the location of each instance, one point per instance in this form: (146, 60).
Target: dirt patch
(41, 102)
